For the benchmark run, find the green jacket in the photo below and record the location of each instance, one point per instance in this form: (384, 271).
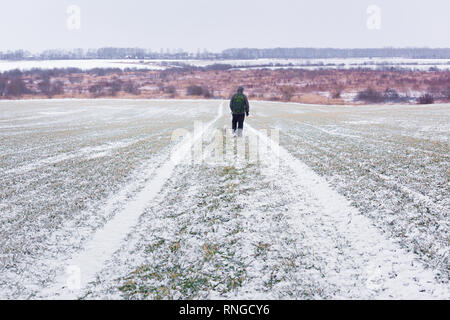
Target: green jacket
(239, 104)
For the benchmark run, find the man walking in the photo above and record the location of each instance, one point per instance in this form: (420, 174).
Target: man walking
(239, 108)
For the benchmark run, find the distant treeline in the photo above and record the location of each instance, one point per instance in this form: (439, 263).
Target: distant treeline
(241, 53)
(320, 53)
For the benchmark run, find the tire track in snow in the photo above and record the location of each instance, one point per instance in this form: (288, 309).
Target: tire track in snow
(388, 270)
(107, 240)
(416, 196)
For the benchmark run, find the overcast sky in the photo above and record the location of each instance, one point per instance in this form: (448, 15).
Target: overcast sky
(215, 25)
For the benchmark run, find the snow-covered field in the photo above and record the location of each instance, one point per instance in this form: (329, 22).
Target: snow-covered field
(97, 201)
(6, 65)
(157, 64)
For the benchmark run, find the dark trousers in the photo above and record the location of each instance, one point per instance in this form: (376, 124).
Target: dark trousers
(238, 121)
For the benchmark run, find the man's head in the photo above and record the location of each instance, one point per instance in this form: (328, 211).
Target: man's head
(240, 89)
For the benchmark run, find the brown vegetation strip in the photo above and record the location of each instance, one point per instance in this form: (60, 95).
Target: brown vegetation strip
(354, 86)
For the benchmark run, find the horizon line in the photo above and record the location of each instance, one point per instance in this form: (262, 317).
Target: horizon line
(158, 50)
